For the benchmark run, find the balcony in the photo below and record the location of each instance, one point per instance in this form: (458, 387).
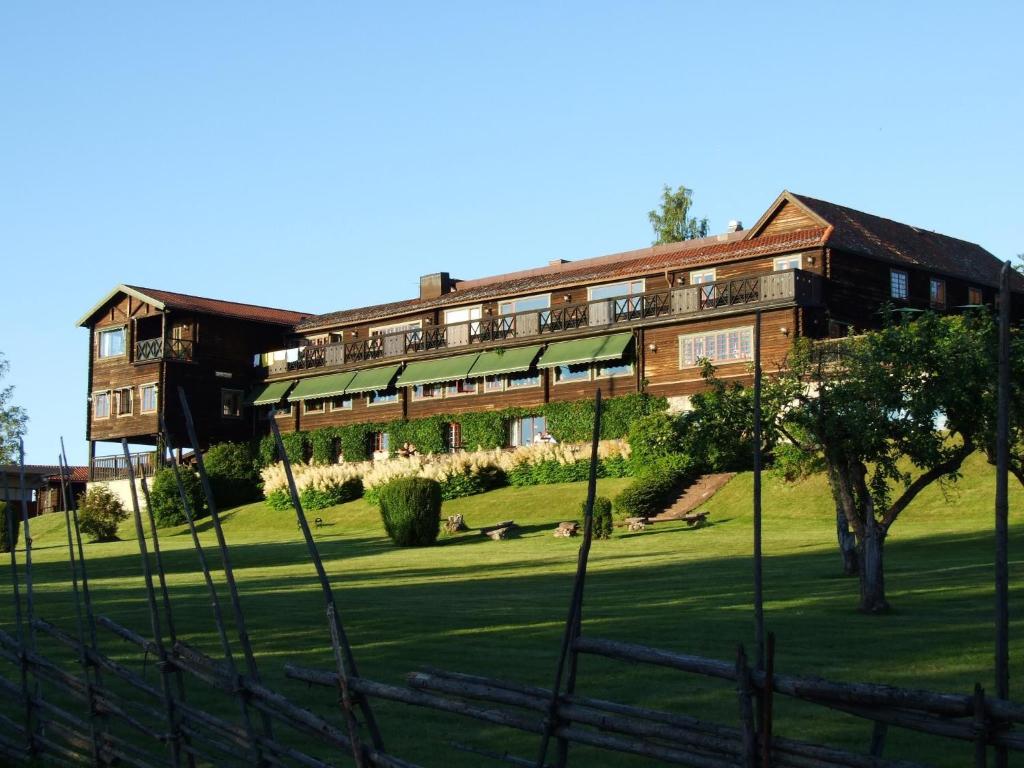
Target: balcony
(687, 303)
(152, 350)
(116, 467)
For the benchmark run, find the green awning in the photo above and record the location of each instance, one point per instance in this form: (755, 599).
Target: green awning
(372, 379)
(505, 361)
(321, 386)
(269, 394)
(431, 371)
(580, 351)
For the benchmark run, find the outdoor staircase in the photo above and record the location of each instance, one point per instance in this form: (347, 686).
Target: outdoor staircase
(698, 492)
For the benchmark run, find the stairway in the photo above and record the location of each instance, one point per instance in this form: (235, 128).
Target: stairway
(702, 489)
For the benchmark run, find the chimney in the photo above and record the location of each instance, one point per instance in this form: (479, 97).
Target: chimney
(557, 262)
(735, 226)
(437, 284)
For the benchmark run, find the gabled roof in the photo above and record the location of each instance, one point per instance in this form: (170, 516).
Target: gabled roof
(711, 250)
(184, 302)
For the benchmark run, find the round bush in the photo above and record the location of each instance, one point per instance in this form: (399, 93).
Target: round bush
(234, 477)
(411, 510)
(99, 513)
(165, 501)
(602, 517)
(15, 519)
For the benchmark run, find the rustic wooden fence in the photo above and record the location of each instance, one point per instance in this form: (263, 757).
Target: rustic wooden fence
(72, 704)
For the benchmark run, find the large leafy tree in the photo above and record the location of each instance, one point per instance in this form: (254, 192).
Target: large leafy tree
(12, 418)
(886, 414)
(673, 222)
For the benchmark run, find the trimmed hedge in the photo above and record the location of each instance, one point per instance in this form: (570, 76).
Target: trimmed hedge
(547, 472)
(602, 517)
(411, 510)
(656, 485)
(234, 478)
(166, 502)
(313, 499)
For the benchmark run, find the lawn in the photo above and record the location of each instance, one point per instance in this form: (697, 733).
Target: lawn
(496, 608)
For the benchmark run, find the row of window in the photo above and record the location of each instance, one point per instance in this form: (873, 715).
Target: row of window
(121, 402)
(899, 288)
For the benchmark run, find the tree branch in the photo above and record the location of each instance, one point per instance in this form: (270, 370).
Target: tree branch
(951, 465)
(802, 446)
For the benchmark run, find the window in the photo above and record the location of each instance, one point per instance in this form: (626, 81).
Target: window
(579, 372)
(454, 436)
(716, 346)
(526, 431)
(521, 380)
(613, 368)
(462, 387)
(426, 391)
(494, 383)
(898, 286)
(975, 296)
(101, 405)
(468, 315)
(525, 304)
(628, 296)
(937, 292)
(390, 340)
(382, 396)
(110, 343)
(123, 401)
(341, 403)
(380, 442)
(147, 394)
(231, 403)
(706, 279)
(282, 410)
(793, 261)
(314, 406)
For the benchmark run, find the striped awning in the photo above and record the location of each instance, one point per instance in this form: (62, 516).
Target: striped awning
(372, 379)
(269, 394)
(500, 361)
(581, 351)
(432, 371)
(331, 385)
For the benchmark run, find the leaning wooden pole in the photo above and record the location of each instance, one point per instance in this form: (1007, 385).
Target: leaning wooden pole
(154, 618)
(1002, 661)
(218, 614)
(19, 629)
(759, 635)
(36, 731)
(572, 630)
(344, 659)
(229, 573)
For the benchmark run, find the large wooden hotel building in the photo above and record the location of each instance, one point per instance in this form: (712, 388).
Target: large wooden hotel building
(628, 322)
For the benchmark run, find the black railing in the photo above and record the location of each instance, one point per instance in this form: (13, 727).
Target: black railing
(687, 301)
(151, 350)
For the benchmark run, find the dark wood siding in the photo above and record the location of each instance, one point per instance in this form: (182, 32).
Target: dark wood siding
(788, 218)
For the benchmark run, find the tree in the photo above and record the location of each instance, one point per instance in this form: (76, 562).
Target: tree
(12, 419)
(100, 512)
(868, 406)
(674, 223)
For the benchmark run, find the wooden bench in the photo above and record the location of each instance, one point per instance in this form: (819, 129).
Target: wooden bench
(695, 518)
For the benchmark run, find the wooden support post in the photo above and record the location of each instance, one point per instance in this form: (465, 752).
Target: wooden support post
(745, 693)
(878, 734)
(1002, 661)
(980, 728)
(767, 702)
(35, 732)
(19, 628)
(758, 564)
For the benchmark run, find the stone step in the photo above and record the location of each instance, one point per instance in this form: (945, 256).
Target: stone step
(697, 493)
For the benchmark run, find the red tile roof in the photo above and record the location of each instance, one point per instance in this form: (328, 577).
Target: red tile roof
(632, 263)
(49, 471)
(185, 302)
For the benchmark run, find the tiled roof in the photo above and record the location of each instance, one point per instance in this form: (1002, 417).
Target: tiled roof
(890, 240)
(185, 302)
(49, 471)
(640, 262)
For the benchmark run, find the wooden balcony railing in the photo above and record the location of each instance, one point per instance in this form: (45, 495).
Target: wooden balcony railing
(150, 350)
(791, 286)
(116, 467)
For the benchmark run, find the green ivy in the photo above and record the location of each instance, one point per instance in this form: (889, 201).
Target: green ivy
(324, 442)
(295, 446)
(428, 435)
(486, 430)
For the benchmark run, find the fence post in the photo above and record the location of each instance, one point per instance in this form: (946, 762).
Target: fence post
(744, 694)
(980, 727)
(18, 626)
(1002, 649)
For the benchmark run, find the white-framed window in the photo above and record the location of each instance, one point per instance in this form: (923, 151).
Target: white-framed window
(281, 411)
(382, 397)
(898, 284)
(494, 384)
(380, 442)
(526, 431)
(525, 304)
(937, 292)
(460, 387)
(791, 261)
(724, 346)
(523, 380)
(975, 296)
(464, 315)
(426, 392)
(318, 405)
(702, 276)
(610, 369)
(454, 436)
(231, 403)
(341, 403)
(577, 372)
(101, 405)
(147, 398)
(110, 342)
(410, 325)
(615, 290)
(123, 401)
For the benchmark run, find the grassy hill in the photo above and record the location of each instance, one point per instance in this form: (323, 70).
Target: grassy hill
(474, 605)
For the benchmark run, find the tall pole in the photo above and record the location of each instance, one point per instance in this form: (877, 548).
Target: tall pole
(1002, 503)
(758, 565)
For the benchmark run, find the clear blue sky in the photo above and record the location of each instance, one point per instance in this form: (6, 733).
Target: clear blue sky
(318, 156)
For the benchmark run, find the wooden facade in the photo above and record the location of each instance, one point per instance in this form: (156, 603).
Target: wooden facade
(813, 269)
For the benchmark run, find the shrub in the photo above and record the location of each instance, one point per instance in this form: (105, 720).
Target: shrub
(165, 501)
(99, 513)
(653, 437)
(234, 478)
(15, 519)
(655, 486)
(411, 510)
(602, 517)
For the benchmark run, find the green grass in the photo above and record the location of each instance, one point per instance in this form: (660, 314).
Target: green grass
(497, 608)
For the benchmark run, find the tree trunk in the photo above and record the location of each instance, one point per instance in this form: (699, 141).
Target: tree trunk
(847, 543)
(872, 571)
